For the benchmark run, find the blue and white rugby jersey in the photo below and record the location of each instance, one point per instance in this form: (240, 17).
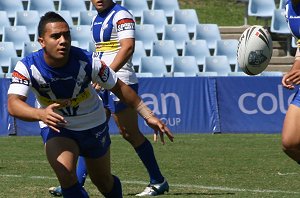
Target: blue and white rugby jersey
(108, 28)
(293, 18)
(69, 85)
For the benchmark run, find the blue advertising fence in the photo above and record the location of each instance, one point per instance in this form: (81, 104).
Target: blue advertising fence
(194, 105)
(6, 121)
(252, 104)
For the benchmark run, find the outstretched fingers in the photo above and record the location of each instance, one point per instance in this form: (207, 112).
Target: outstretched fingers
(161, 128)
(165, 130)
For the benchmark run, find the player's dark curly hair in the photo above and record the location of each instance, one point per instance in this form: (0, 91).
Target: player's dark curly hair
(49, 17)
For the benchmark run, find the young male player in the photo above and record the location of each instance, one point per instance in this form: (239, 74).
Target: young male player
(71, 115)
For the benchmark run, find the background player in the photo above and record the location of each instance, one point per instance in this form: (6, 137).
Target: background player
(113, 34)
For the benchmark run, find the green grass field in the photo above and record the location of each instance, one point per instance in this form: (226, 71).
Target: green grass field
(196, 165)
(223, 13)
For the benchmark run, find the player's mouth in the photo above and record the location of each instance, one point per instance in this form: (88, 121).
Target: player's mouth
(99, 3)
(62, 50)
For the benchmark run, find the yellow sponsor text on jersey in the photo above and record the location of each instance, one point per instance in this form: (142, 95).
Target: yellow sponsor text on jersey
(107, 46)
(72, 102)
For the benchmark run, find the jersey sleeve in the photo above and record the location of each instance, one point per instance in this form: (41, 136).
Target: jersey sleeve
(124, 24)
(20, 82)
(103, 75)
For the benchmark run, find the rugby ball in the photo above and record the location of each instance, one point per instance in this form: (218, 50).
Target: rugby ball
(254, 50)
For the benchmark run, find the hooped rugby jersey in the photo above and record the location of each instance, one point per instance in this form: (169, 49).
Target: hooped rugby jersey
(293, 18)
(108, 28)
(69, 86)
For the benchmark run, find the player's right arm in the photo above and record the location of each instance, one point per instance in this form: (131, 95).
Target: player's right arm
(17, 106)
(292, 78)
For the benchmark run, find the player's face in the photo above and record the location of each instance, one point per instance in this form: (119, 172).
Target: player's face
(101, 5)
(56, 43)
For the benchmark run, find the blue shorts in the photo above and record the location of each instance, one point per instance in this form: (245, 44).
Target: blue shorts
(92, 143)
(112, 102)
(296, 99)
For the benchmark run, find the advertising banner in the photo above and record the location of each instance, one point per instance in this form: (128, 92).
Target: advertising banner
(252, 104)
(186, 105)
(194, 105)
(6, 121)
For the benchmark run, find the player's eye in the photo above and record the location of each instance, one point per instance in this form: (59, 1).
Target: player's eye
(55, 36)
(67, 34)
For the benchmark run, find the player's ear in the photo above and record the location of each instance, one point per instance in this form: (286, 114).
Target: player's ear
(41, 41)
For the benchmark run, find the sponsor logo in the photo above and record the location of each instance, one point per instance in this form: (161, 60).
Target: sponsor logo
(266, 103)
(68, 102)
(104, 72)
(98, 23)
(125, 24)
(159, 106)
(256, 57)
(294, 17)
(19, 79)
(107, 46)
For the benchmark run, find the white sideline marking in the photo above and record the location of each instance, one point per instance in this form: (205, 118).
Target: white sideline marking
(283, 174)
(181, 186)
(217, 188)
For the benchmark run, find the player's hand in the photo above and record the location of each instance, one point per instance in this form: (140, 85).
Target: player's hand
(97, 87)
(291, 79)
(159, 129)
(52, 119)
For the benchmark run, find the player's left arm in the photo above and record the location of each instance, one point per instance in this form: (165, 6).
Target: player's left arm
(128, 96)
(124, 25)
(107, 78)
(124, 53)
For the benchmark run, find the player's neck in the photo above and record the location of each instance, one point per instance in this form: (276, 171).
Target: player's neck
(108, 7)
(55, 63)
